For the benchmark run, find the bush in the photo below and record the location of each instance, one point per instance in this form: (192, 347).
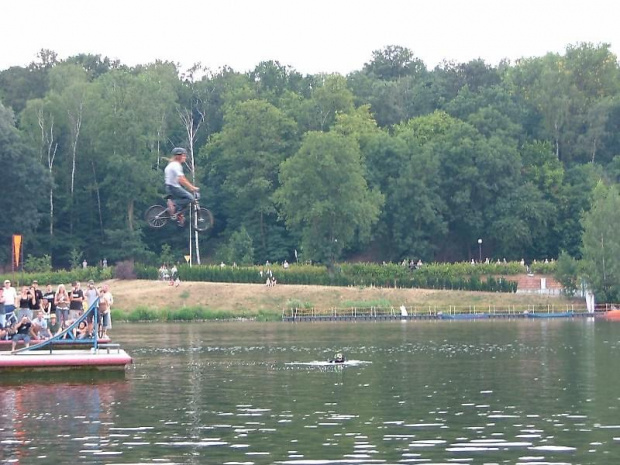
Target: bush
(61, 276)
(125, 270)
(457, 276)
(38, 264)
(566, 273)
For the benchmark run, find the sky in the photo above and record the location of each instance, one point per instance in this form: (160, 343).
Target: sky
(311, 36)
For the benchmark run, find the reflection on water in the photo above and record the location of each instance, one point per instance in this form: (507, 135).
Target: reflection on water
(483, 392)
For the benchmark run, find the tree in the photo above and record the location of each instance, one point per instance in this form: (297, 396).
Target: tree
(574, 200)
(239, 249)
(68, 83)
(330, 97)
(19, 84)
(39, 121)
(245, 157)
(25, 186)
(469, 173)
(394, 62)
(324, 195)
(601, 244)
(566, 272)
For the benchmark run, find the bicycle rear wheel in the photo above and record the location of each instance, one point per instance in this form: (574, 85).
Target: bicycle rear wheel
(157, 216)
(204, 220)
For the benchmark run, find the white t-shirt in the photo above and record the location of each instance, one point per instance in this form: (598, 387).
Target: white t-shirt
(9, 296)
(172, 173)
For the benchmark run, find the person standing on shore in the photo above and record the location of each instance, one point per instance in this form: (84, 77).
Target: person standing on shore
(50, 296)
(25, 301)
(110, 300)
(91, 295)
(76, 307)
(2, 311)
(10, 296)
(37, 296)
(62, 304)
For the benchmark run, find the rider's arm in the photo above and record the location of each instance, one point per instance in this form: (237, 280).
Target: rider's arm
(184, 181)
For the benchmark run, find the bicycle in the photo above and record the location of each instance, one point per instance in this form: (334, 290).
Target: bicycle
(157, 216)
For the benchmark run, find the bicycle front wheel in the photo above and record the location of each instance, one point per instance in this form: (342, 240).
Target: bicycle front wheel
(157, 216)
(204, 220)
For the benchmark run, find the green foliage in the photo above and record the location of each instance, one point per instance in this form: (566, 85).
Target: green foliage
(566, 272)
(38, 264)
(457, 276)
(244, 159)
(166, 255)
(61, 276)
(394, 161)
(188, 314)
(601, 244)
(76, 259)
(544, 267)
(324, 195)
(22, 206)
(296, 303)
(239, 249)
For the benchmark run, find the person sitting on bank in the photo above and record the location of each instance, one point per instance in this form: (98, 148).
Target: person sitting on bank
(23, 333)
(39, 326)
(82, 331)
(54, 327)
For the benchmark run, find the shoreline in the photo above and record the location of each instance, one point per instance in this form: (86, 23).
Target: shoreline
(237, 300)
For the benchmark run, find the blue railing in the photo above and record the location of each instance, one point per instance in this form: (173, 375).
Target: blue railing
(67, 336)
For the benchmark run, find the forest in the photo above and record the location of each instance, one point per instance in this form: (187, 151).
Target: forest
(393, 161)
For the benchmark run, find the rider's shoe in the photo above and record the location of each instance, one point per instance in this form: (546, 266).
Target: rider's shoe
(180, 220)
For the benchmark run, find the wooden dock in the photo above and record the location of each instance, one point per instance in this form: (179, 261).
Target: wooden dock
(101, 358)
(433, 313)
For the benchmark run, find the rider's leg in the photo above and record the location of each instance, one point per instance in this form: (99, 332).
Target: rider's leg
(171, 206)
(170, 203)
(181, 197)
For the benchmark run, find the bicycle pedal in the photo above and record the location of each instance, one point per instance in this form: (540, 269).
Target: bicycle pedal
(173, 216)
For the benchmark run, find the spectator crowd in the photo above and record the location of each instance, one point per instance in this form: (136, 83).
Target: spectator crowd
(35, 315)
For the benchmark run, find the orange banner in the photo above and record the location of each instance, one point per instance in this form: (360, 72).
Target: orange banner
(17, 249)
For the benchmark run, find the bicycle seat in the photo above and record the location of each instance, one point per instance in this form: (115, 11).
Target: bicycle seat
(167, 197)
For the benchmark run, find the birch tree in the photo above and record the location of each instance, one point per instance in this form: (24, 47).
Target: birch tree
(38, 118)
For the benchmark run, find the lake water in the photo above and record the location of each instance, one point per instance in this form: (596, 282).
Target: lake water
(433, 392)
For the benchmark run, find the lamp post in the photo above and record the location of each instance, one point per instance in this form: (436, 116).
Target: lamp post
(480, 250)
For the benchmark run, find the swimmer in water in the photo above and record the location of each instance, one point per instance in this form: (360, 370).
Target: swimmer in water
(338, 358)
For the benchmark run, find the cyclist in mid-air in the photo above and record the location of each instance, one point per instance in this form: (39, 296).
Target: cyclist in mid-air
(174, 179)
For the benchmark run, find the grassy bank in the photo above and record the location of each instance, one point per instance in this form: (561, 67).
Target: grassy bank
(156, 300)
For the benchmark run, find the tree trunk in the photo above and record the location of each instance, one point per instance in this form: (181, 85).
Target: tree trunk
(47, 143)
(76, 125)
(191, 129)
(130, 206)
(98, 194)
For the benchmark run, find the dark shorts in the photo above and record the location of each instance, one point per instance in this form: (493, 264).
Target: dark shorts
(21, 337)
